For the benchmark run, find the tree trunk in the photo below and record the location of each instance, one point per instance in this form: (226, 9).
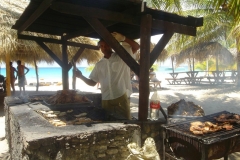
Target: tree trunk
(238, 62)
(36, 69)
(172, 58)
(74, 76)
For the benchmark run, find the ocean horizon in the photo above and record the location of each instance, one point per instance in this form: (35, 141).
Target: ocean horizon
(53, 74)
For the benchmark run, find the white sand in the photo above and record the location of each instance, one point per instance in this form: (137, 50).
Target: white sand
(212, 98)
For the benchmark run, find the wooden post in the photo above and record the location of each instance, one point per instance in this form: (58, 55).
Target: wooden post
(65, 65)
(145, 31)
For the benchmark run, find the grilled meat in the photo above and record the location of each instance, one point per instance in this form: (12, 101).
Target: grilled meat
(185, 108)
(67, 97)
(230, 118)
(199, 128)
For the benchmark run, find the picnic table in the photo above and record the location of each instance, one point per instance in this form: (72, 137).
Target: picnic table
(192, 78)
(174, 79)
(217, 78)
(232, 76)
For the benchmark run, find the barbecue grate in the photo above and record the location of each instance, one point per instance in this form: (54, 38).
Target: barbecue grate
(184, 143)
(182, 129)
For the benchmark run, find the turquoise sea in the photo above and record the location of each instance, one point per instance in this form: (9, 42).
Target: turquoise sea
(56, 72)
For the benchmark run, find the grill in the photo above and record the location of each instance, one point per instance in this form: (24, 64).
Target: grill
(93, 110)
(180, 142)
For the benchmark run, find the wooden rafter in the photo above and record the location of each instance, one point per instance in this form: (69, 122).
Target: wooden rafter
(49, 52)
(92, 12)
(174, 27)
(88, 30)
(56, 41)
(159, 47)
(75, 57)
(104, 33)
(42, 7)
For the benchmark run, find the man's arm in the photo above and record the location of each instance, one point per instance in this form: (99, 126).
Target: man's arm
(26, 69)
(86, 80)
(135, 46)
(121, 38)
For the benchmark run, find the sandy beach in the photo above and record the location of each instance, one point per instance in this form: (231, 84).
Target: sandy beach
(213, 98)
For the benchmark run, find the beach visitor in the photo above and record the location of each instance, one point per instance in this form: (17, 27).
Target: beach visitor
(21, 76)
(113, 74)
(12, 76)
(153, 78)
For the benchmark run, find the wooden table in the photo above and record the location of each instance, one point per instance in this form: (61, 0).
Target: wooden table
(192, 77)
(174, 79)
(218, 77)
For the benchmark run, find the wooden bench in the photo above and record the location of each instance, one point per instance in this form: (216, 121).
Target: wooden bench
(174, 80)
(192, 80)
(233, 78)
(155, 83)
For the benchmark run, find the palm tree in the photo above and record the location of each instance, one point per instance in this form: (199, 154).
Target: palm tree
(221, 22)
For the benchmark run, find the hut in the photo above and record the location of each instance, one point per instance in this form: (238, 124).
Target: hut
(202, 52)
(31, 52)
(95, 19)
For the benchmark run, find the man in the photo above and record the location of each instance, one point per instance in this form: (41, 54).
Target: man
(21, 76)
(12, 76)
(113, 74)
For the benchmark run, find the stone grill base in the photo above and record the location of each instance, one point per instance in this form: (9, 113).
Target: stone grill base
(32, 137)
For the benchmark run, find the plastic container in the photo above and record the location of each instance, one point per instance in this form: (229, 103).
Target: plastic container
(154, 106)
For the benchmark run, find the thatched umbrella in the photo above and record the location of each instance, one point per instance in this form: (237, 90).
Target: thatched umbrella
(202, 51)
(29, 51)
(161, 58)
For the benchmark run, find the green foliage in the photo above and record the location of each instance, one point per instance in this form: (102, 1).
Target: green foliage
(155, 66)
(89, 68)
(202, 66)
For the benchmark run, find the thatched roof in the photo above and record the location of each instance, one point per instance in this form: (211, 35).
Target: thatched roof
(161, 58)
(205, 50)
(10, 11)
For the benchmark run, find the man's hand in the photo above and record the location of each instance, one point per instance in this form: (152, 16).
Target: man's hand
(78, 73)
(119, 37)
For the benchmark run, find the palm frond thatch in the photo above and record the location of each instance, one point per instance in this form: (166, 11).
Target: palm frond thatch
(202, 51)
(26, 50)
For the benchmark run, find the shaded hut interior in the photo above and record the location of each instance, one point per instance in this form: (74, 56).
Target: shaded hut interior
(97, 19)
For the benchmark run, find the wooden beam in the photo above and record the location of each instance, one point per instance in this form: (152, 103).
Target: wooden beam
(50, 40)
(89, 30)
(50, 53)
(104, 33)
(174, 27)
(166, 16)
(37, 13)
(159, 47)
(78, 10)
(145, 32)
(86, 31)
(65, 82)
(75, 57)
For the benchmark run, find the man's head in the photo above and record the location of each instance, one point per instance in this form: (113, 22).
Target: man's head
(105, 48)
(151, 69)
(10, 63)
(18, 62)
